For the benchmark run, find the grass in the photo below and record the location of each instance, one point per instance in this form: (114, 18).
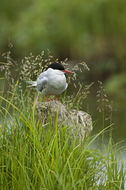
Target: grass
(43, 156)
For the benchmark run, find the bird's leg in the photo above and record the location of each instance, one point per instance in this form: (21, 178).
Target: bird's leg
(47, 99)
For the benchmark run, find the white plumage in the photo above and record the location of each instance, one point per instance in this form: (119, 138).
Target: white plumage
(50, 82)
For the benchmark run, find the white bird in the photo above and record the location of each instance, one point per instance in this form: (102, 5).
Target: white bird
(52, 81)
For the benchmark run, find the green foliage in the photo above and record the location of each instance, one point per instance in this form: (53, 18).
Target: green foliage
(38, 155)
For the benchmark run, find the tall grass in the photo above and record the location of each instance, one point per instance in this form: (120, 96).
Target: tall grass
(35, 155)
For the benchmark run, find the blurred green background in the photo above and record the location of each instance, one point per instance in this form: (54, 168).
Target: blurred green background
(93, 31)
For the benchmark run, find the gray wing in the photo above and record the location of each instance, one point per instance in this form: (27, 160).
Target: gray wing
(42, 81)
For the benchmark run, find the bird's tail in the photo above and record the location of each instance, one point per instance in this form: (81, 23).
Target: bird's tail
(32, 83)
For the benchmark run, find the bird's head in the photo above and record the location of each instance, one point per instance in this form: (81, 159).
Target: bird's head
(58, 66)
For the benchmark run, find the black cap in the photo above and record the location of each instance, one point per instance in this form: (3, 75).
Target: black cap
(56, 66)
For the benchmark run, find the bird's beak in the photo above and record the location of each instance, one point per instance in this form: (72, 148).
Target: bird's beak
(67, 71)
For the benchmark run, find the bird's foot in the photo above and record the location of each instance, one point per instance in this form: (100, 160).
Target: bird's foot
(48, 100)
(56, 99)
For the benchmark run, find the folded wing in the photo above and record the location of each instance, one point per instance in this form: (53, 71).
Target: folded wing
(42, 82)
